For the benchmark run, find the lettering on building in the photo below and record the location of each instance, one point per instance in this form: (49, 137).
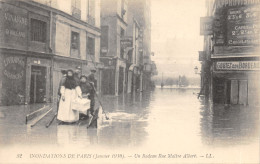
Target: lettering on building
(14, 26)
(232, 3)
(238, 66)
(14, 67)
(15, 19)
(243, 26)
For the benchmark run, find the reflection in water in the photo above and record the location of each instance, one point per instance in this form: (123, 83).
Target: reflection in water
(229, 125)
(165, 118)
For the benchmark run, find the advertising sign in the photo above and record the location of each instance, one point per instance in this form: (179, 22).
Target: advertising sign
(237, 66)
(14, 24)
(126, 42)
(243, 26)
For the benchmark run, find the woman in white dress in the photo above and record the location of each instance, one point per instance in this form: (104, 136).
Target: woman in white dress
(70, 90)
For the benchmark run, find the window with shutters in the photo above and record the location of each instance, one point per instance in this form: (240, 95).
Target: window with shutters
(38, 30)
(90, 47)
(75, 44)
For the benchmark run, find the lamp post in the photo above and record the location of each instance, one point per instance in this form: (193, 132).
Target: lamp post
(196, 70)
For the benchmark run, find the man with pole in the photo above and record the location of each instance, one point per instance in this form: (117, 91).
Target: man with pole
(93, 82)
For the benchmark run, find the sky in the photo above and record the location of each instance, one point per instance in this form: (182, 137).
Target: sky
(175, 36)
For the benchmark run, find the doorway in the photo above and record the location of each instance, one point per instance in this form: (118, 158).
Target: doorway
(108, 82)
(237, 92)
(38, 84)
(121, 80)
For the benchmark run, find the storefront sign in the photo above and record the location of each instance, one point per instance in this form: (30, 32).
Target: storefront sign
(233, 3)
(243, 26)
(14, 25)
(126, 42)
(238, 66)
(14, 67)
(206, 26)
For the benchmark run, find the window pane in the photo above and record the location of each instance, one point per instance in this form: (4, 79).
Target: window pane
(91, 46)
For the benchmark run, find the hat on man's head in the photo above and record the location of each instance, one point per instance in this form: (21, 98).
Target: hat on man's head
(63, 71)
(83, 76)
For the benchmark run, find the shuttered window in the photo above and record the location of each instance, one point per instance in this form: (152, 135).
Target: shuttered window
(91, 46)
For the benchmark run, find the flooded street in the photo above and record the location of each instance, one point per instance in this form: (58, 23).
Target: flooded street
(163, 120)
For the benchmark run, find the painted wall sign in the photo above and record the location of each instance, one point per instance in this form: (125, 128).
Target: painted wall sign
(232, 3)
(238, 66)
(243, 26)
(13, 79)
(14, 67)
(14, 24)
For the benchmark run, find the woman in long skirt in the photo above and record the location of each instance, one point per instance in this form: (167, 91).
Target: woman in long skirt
(70, 90)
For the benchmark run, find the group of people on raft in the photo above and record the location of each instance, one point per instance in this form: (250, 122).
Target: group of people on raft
(73, 86)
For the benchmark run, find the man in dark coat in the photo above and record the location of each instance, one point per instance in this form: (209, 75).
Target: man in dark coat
(87, 91)
(92, 78)
(93, 82)
(77, 74)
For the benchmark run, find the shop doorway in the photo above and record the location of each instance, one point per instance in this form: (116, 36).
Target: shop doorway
(237, 92)
(38, 84)
(219, 90)
(108, 82)
(121, 80)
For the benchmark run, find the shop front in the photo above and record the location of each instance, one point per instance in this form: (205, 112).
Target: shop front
(13, 75)
(38, 80)
(24, 79)
(236, 82)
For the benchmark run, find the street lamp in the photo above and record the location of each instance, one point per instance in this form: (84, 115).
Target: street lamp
(196, 70)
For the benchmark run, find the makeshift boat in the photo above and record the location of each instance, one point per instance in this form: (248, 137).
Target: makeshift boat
(91, 122)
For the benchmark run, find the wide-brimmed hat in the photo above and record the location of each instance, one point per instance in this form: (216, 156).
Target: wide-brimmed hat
(83, 76)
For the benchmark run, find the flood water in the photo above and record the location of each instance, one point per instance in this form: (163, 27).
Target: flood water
(161, 121)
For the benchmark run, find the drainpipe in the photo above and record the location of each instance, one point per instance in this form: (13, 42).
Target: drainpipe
(52, 62)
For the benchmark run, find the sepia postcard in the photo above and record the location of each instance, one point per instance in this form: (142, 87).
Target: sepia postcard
(129, 81)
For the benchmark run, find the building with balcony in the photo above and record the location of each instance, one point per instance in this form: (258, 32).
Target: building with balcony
(39, 39)
(230, 60)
